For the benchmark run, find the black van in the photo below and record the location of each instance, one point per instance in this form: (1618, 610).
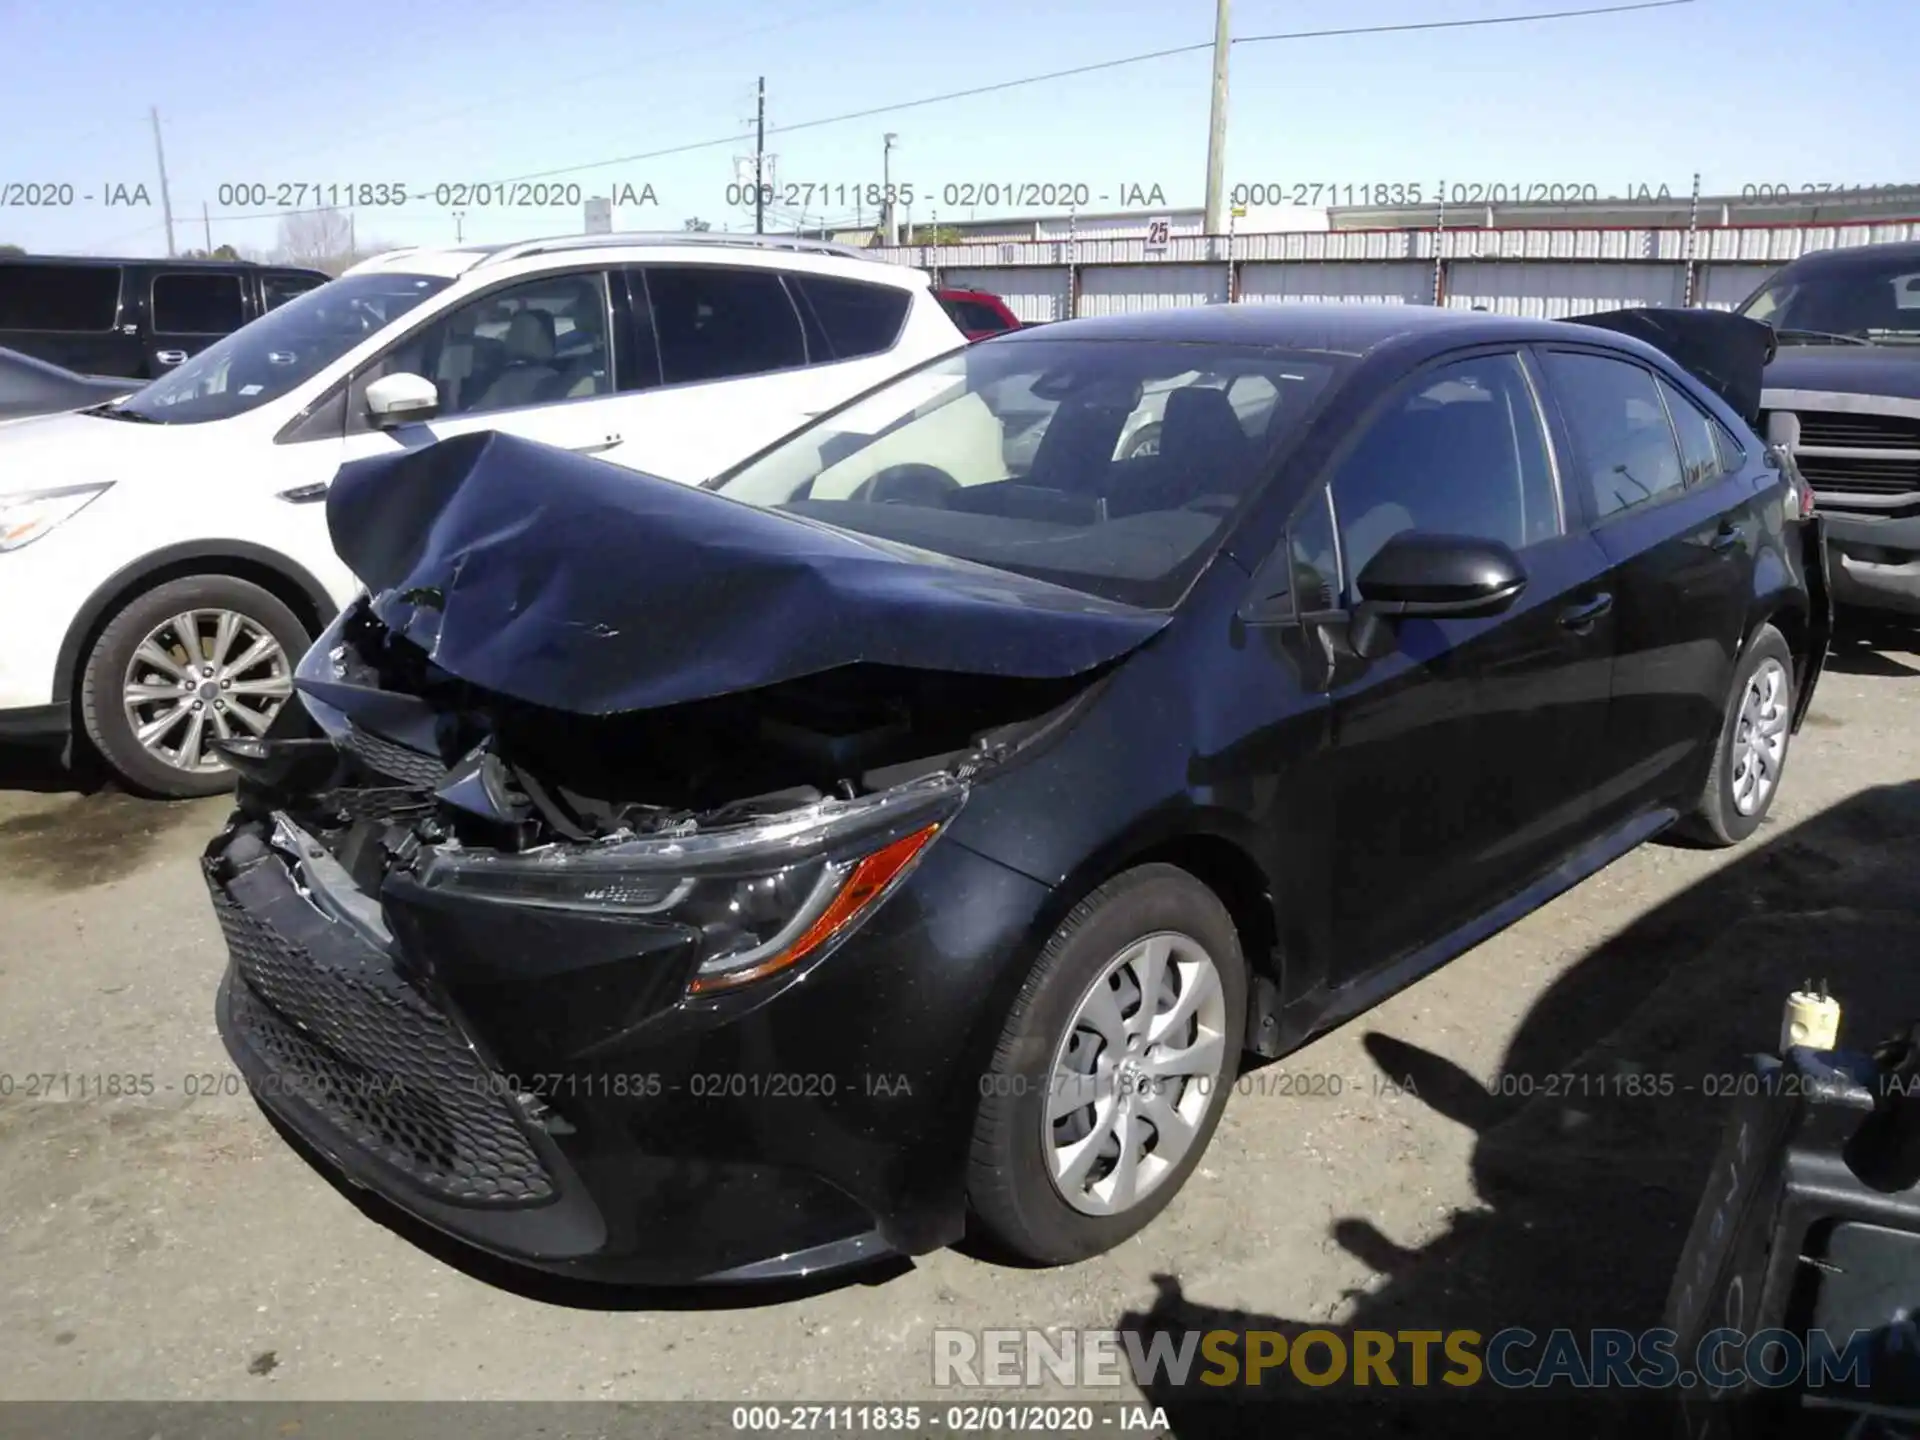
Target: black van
(137, 318)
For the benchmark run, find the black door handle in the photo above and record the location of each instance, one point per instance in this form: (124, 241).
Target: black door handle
(1725, 538)
(1580, 618)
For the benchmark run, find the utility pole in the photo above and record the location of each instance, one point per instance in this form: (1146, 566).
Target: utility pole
(206, 225)
(166, 203)
(457, 216)
(759, 157)
(1217, 124)
(886, 187)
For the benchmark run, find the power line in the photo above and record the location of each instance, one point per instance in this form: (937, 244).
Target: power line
(1461, 24)
(736, 137)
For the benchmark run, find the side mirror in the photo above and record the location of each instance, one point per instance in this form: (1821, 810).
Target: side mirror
(398, 399)
(1438, 576)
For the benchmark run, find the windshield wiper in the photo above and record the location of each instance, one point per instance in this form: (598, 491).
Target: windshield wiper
(1831, 336)
(111, 411)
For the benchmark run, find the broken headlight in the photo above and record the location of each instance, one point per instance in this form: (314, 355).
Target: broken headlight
(759, 896)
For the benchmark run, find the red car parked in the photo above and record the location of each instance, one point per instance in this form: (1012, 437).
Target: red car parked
(977, 313)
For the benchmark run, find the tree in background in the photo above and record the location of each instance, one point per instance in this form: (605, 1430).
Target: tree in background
(323, 240)
(11, 250)
(699, 226)
(219, 252)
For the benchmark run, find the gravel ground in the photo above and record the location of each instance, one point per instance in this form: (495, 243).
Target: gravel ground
(171, 1247)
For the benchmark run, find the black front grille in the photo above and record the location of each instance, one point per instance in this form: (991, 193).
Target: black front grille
(1865, 432)
(1861, 474)
(382, 1064)
(410, 767)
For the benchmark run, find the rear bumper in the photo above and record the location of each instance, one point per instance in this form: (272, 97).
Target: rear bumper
(1874, 560)
(744, 1147)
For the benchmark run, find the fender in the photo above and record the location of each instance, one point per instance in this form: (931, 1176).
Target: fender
(171, 557)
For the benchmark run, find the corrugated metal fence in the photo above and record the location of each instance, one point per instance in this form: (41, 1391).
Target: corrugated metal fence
(1539, 272)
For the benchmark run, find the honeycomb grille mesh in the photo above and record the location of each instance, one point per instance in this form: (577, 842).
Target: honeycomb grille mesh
(380, 1063)
(410, 767)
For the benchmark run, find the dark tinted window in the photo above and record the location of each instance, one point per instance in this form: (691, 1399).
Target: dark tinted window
(858, 319)
(1463, 454)
(197, 304)
(714, 323)
(971, 315)
(1699, 456)
(59, 297)
(1315, 559)
(1867, 299)
(281, 288)
(1621, 427)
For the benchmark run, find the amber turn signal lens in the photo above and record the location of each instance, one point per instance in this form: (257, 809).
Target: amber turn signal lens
(869, 880)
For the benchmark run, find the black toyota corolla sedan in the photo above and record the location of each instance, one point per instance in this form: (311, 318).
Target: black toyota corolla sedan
(916, 828)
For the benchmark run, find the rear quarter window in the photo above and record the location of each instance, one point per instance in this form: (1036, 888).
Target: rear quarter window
(856, 318)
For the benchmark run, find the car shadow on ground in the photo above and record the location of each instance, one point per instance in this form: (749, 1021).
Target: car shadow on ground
(42, 768)
(1586, 1189)
(1873, 645)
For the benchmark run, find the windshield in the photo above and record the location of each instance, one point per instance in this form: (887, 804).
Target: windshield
(283, 348)
(1110, 467)
(1861, 303)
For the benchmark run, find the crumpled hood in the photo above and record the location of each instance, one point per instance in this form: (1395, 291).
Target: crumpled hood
(572, 583)
(1847, 370)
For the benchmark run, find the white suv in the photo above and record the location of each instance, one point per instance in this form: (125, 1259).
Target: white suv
(163, 560)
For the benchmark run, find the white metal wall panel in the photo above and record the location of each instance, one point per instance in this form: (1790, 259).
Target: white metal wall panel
(1721, 287)
(1312, 282)
(1128, 289)
(1031, 292)
(1551, 290)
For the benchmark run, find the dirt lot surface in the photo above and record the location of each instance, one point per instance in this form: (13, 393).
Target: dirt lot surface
(171, 1246)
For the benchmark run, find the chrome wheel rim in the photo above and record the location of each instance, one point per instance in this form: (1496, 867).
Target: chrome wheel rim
(1134, 1074)
(201, 676)
(1760, 736)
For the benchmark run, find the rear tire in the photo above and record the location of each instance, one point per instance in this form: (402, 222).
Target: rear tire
(142, 652)
(1154, 1092)
(1751, 753)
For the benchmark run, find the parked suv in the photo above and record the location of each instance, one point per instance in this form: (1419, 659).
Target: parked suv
(163, 560)
(1843, 394)
(137, 318)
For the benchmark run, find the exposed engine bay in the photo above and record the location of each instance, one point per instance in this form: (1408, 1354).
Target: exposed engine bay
(414, 756)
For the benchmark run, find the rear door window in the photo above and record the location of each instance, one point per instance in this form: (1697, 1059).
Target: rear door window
(715, 322)
(1627, 446)
(188, 304)
(857, 319)
(70, 299)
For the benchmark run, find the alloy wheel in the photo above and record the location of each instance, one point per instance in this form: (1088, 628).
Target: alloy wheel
(1134, 1074)
(1760, 736)
(200, 676)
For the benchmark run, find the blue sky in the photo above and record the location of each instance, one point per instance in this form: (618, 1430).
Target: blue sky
(434, 92)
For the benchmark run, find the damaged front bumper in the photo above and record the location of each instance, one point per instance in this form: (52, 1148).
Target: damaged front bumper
(717, 1048)
(534, 1083)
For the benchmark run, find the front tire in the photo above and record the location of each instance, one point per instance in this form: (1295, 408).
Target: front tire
(1751, 754)
(180, 665)
(1112, 1069)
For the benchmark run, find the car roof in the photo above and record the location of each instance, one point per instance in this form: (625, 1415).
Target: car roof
(1905, 252)
(523, 257)
(1348, 329)
(169, 262)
